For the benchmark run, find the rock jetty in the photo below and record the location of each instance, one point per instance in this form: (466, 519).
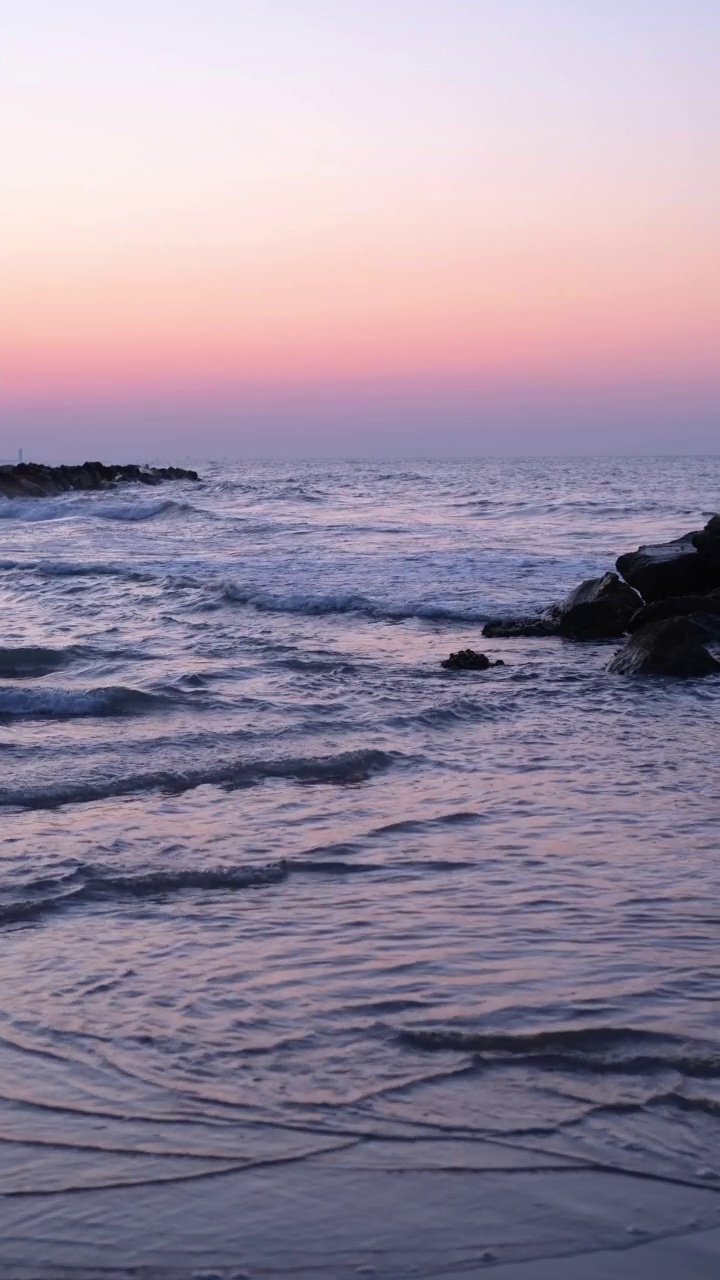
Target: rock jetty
(36, 480)
(665, 596)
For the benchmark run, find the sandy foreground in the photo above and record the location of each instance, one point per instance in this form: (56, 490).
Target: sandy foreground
(449, 1209)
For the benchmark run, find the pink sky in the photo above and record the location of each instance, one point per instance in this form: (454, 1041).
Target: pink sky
(269, 200)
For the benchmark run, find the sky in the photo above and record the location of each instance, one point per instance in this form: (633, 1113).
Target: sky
(359, 227)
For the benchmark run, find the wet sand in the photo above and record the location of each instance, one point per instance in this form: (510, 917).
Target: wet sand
(334, 1218)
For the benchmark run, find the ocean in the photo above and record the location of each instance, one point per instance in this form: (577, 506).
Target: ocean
(317, 958)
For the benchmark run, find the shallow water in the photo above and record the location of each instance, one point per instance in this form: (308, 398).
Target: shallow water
(273, 882)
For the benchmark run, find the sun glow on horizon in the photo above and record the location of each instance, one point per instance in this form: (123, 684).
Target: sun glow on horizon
(291, 198)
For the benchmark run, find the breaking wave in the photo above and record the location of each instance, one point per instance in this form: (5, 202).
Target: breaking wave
(66, 704)
(62, 507)
(34, 509)
(133, 511)
(314, 606)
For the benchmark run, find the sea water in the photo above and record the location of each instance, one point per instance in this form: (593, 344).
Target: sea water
(283, 901)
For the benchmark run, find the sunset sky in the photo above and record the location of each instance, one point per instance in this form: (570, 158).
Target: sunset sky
(360, 226)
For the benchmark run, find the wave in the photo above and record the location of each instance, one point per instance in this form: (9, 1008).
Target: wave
(87, 885)
(589, 506)
(86, 568)
(595, 1050)
(346, 769)
(456, 818)
(34, 510)
(460, 710)
(163, 575)
(30, 660)
(330, 666)
(315, 606)
(137, 511)
(67, 704)
(297, 493)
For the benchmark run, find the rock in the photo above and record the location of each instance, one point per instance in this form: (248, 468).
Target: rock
(673, 647)
(708, 541)
(598, 609)
(469, 660)
(34, 480)
(541, 624)
(708, 624)
(675, 607)
(687, 566)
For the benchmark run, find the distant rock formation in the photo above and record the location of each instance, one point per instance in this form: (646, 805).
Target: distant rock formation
(35, 480)
(673, 647)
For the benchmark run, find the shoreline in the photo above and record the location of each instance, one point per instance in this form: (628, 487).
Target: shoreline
(332, 1217)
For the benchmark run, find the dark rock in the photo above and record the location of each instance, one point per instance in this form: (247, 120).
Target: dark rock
(598, 609)
(542, 624)
(708, 542)
(687, 566)
(673, 647)
(34, 480)
(27, 488)
(708, 624)
(675, 607)
(469, 660)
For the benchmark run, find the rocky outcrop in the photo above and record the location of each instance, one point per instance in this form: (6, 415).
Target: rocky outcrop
(35, 480)
(668, 599)
(673, 647)
(599, 609)
(469, 660)
(675, 607)
(687, 566)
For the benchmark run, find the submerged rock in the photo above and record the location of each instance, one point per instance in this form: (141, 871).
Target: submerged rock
(469, 660)
(598, 609)
(686, 566)
(542, 624)
(673, 647)
(35, 480)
